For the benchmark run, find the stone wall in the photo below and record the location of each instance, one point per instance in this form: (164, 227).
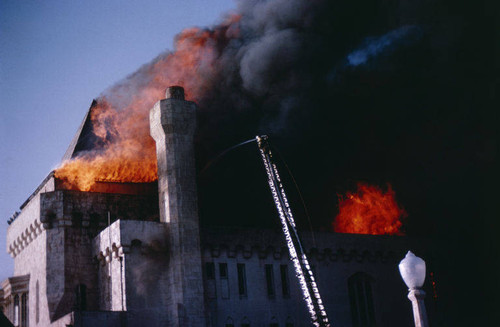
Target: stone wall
(26, 243)
(90, 210)
(133, 274)
(334, 258)
(172, 125)
(71, 220)
(27, 226)
(51, 241)
(15, 299)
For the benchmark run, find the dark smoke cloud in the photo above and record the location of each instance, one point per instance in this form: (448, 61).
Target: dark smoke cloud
(148, 265)
(413, 108)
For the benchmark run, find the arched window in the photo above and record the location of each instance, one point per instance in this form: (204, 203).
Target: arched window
(245, 322)
(81, 297)
(24, 310)
(361, 299)
(289, 322)
(229, 322)
(37, 302)
(274, 322)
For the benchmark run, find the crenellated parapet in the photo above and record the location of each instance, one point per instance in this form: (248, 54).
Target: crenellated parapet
(116, 240)
(243, 251)
(120, 251)
(113, 252)
(314, 254)
(319, 247)
(354, 255)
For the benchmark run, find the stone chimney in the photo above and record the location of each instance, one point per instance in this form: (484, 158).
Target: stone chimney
(172, 126)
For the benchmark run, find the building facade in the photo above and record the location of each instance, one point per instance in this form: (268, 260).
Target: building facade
(134, 254)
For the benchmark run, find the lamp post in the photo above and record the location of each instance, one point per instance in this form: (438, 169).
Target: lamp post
(412, 269)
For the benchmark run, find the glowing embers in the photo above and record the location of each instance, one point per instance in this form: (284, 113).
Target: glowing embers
(369, 211)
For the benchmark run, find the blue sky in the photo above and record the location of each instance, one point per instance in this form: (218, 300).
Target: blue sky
(55, 57)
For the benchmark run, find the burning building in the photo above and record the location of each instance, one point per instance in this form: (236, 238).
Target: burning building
(131, 230)
(135, 254)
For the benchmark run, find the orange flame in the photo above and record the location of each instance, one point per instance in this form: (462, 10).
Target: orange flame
(369, 211)
(129, 152)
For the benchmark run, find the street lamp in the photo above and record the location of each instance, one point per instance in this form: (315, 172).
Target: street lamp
(412, 269)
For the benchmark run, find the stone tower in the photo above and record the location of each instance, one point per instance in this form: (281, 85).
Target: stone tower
(172, 125)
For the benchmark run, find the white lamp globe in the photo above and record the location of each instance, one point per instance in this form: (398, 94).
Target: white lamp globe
(412, 269)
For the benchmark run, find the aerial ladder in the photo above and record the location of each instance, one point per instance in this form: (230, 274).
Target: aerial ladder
(298, 256)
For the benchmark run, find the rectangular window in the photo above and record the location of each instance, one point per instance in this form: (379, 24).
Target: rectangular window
(285, 285)
(242, 279)
(224, 281)
(210, 286)
(24, 310)
(210, 270)
(223, 270)
(361, 300)
(81, 297)
(270, 281)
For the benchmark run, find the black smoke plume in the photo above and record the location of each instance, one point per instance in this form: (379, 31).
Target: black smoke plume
(415, 110)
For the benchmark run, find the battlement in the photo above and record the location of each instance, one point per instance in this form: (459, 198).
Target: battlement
(53, 205)
(246, 243)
